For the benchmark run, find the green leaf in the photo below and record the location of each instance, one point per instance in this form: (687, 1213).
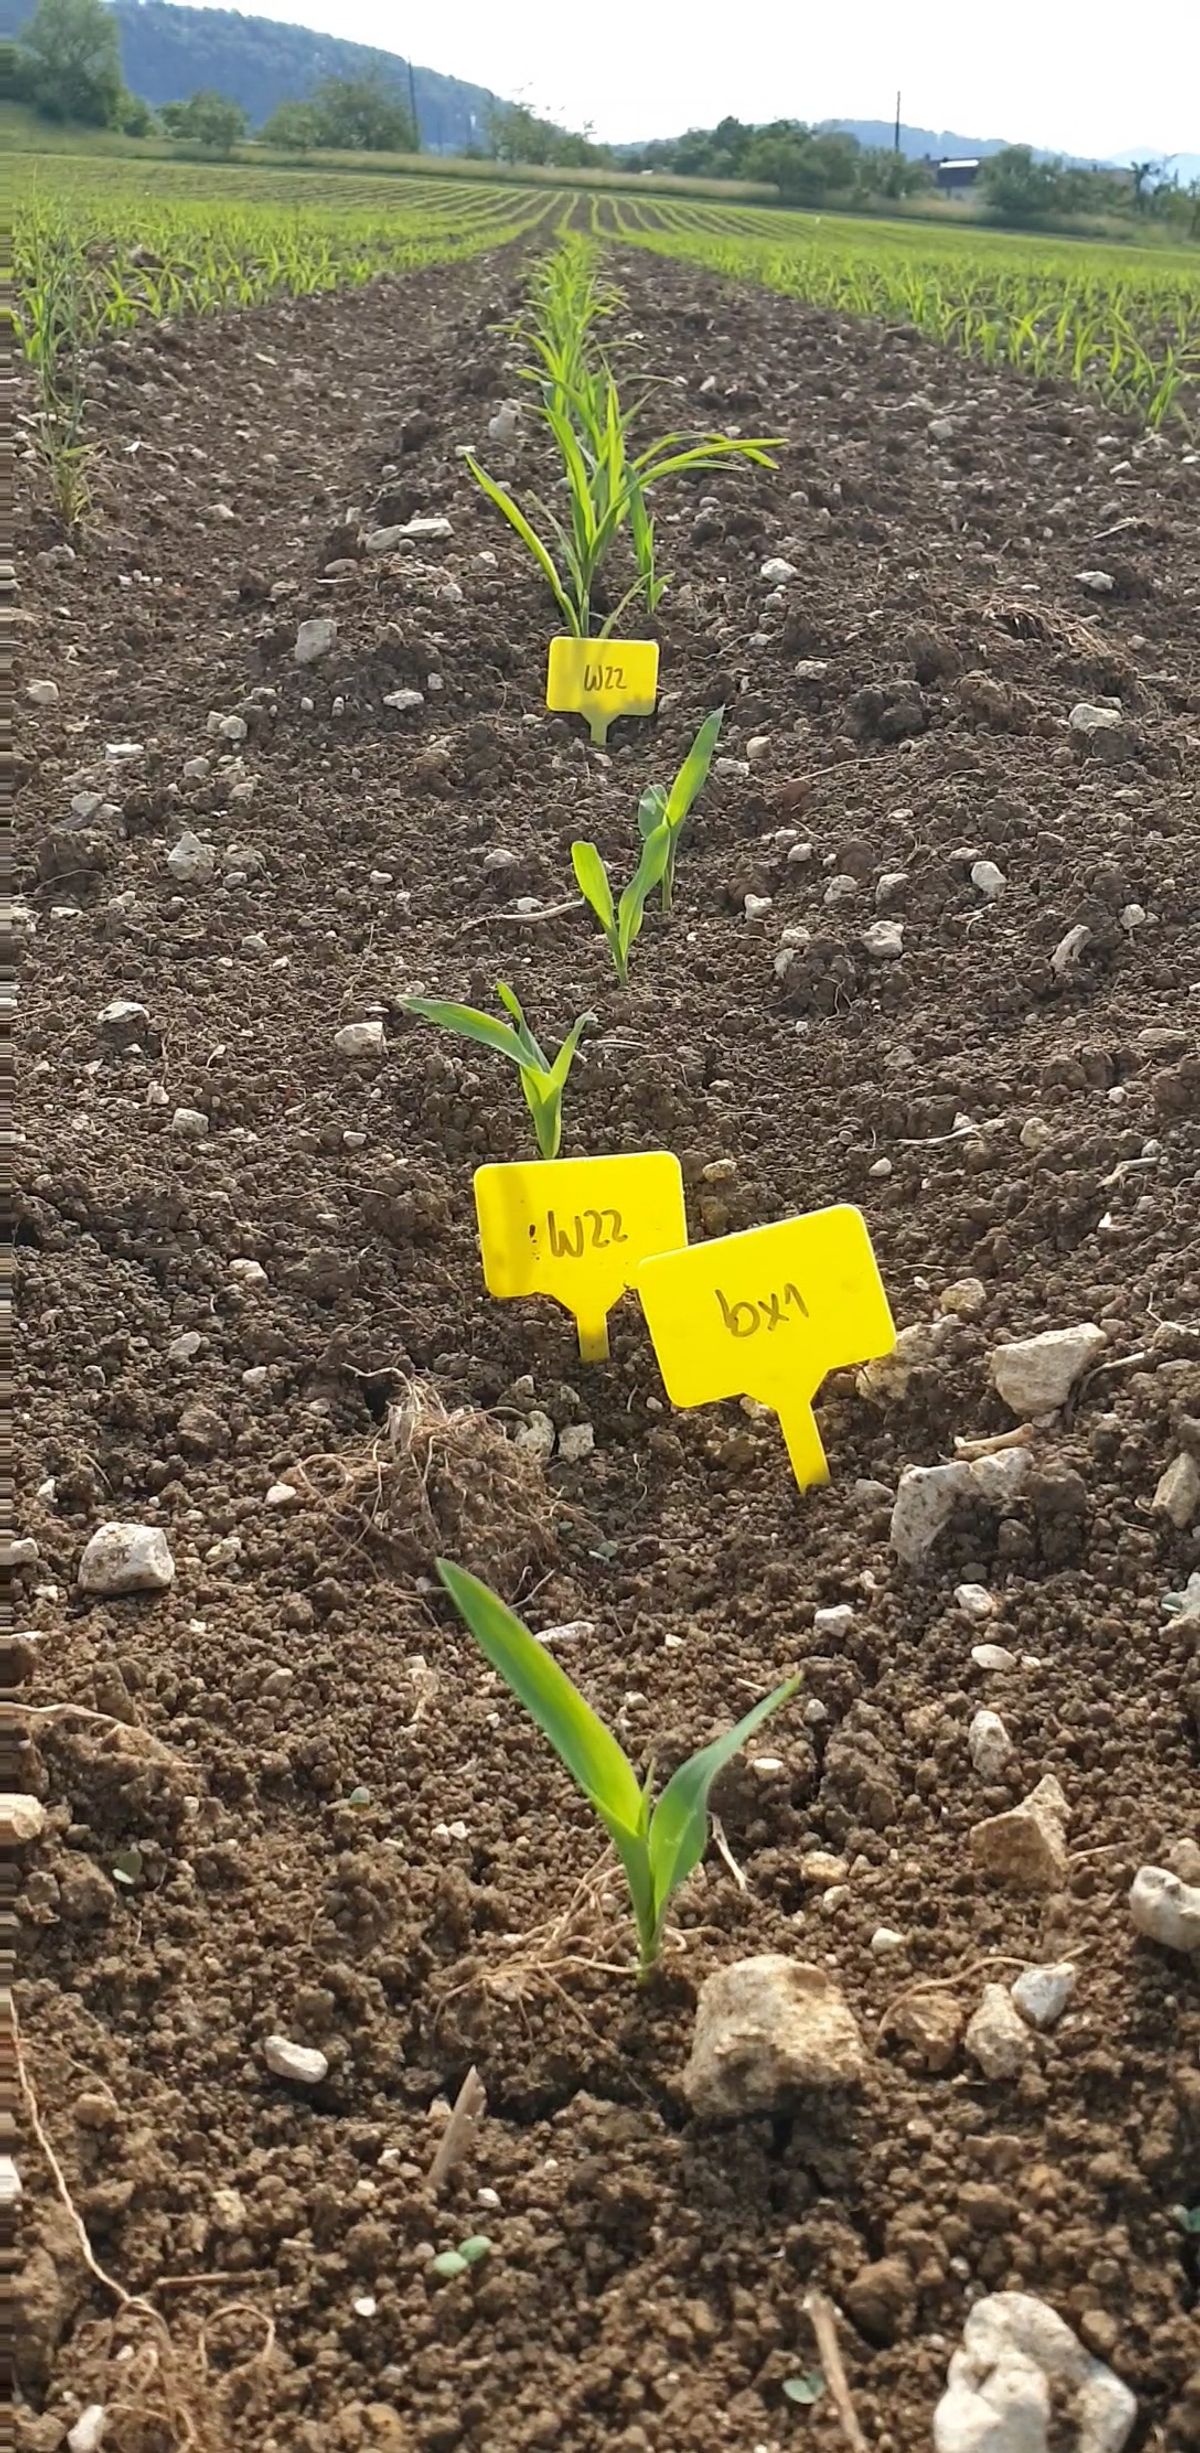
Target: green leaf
(127, 1868)
(512, 1005)
(449, 2264)
(557, 1076)
(693, 774)
(591, 877)
(580, 1740)
(545, 1107)
(475, 2249)
(529, 537)
(652, 809)
(469, 1024)
(631, 910)
(359, 1797)
(805, 2389)
(679, 1824)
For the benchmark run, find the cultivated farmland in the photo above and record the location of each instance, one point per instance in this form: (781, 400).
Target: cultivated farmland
(312, 469)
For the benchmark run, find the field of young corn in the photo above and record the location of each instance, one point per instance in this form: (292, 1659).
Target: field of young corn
(555, 1913)
(98, 248)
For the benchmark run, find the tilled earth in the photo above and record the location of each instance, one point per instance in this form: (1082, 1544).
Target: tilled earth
(296, 1801)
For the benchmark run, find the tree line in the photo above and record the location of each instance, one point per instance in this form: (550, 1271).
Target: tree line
(68, 67)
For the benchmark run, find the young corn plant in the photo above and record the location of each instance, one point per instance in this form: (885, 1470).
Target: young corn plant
(659, 1843)
(543, 1080)
(671, 809)
(621, 923)
(607, 482)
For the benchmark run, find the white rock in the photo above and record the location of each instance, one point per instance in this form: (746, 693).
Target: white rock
(386, 540)
(777, 572)
(123, 1558)
(989, 1744)
(1070, 950)
(810, 668)
(1166, 1909)
(42, 693)
(1086, 719)
(226, 727)
(185, 1347)
(1036, 1134)
(836, 1621)
(576, 1441)
(1097, 583)
(1041, 1994)
(997, 1479)
(88, 2431)
(1037, 1374)
(190, 861)
(283, 1495)
(975, 1601)
(926, 1498)
(189, 1124)
(363, 1042)
(572, 1631)
(885, 1940)
(404, 701)
(941, 429)
(22, 1819)
(536, 1436)
(121, 753)
(997, 2038)
(1026, 1847)
(883, 941)
(888, 1375)
(1178, 1493)
(251, 1273)
(998, 2397)
(993, 1656)
(11, 2191)
(731, 766)
(505, 426)
(766, 2030)
(988, 879)
(756, 906)
(315, 639)
(123, 1020)
(302, 2063)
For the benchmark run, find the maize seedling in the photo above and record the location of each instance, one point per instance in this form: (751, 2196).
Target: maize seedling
(623, 924)
(659, 1844)
(671, 809)
(542, 1080)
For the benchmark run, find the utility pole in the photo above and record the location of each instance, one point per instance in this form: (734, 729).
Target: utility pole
(896, 142)
(412, 104)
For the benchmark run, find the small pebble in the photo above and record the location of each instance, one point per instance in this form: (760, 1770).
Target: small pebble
(301, 2063)
(1041, 1994)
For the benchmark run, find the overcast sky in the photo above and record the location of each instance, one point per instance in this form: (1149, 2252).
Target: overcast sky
(1086, 76)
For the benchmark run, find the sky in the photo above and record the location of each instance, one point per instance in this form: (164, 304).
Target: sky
(1088, 77)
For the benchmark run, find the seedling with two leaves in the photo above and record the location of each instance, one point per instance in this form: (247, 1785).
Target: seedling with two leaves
(659, 1844)
(543, 1080)
(661, 816)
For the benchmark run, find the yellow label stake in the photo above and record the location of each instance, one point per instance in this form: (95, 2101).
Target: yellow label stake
(577, 1229)
(766, 1314)
(602, 679)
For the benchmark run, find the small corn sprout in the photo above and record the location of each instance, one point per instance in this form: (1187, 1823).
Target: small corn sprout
(670, 809)
(542, 1081)
(659, 1845)
(623, 924)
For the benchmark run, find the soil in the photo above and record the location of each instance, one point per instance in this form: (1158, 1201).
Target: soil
(295, 1800)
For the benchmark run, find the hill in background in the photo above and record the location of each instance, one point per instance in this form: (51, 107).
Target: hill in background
(167, 52)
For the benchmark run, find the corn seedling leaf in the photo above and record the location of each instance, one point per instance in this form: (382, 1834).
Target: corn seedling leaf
(591, 877)
(596, 1763)
(652, 809)
(805, 2389)
(512, 1005)
(693, 774)
(631, 910)
(469, 1023)
(679, 1824)
(503, 500)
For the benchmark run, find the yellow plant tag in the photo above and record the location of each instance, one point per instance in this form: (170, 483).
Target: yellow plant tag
(766, 1314)
(577, 1229)
(602, 679)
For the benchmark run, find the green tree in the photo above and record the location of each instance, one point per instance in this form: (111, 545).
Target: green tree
(363, 115)
(208, 119)
(137, 118)
(882, 172)
(294, 126)
(71, 67)
(1016, 187)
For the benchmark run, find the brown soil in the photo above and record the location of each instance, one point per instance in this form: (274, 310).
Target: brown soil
(644, 2290)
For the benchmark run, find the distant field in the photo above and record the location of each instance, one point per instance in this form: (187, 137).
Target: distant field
(102, 241)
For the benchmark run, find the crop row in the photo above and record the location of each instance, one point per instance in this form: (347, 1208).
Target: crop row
(1123, 325)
